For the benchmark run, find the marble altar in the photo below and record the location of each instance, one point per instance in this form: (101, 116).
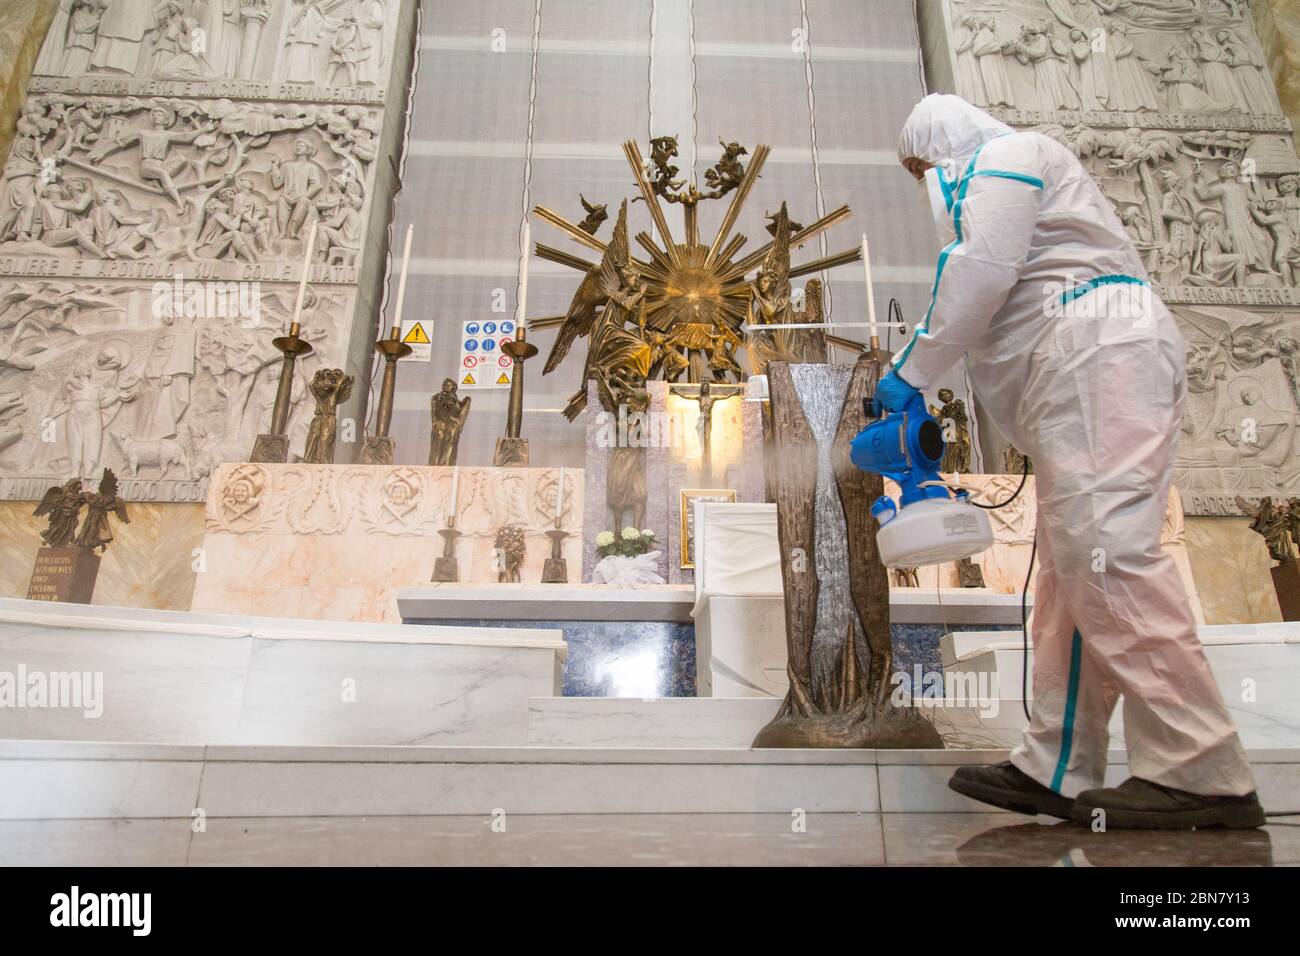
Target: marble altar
(335, 541)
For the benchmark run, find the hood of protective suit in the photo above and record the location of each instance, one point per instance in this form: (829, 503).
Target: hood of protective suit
(945, 129)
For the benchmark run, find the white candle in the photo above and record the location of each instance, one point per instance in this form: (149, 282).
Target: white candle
(522, 312)
(302, 283)
(871, 294)
(401, 283)
(455, 495)
(559, 498)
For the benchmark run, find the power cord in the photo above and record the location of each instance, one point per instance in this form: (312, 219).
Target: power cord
(1024, 592)
(1024, 477)
(894, 310)
(1024, 625)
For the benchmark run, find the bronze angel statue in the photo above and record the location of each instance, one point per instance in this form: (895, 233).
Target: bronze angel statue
(610, 296)
(62, 504)
(96, 532)
(447, 415)
(771, 304)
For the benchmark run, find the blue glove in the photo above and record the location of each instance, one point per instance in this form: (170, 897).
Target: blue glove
(892, 393)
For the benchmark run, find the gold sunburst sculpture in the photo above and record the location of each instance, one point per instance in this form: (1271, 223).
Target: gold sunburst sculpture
(687, 301)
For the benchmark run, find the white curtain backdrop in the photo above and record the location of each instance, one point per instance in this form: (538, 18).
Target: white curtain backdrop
(826, 83)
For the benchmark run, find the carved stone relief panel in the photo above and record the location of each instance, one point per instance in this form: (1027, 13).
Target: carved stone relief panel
(160, 383)
(170, 163)
(1019, 58)
(1215, 213)
(145, 187)
(1170, 105)
(1242, 413)
(274, 45)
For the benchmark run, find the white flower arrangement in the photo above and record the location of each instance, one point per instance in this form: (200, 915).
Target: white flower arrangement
(629, 543)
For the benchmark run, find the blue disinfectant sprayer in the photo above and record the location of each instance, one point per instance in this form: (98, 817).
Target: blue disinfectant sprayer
(930, 523)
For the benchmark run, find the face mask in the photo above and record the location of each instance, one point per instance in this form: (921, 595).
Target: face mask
(940, 192)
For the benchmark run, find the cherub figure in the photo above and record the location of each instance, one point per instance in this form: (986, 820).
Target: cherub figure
(728, 172)
(660, 170)
(596, 215)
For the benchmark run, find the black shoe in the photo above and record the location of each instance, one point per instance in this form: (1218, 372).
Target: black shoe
(1003, 785)
(1142, 805)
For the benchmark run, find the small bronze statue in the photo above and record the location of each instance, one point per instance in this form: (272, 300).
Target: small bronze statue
(63, 504)
(96, 532)
(956, 432)
(447, 414)
(331, 388)
(510, 551)
(1270, 523)
(597, 213)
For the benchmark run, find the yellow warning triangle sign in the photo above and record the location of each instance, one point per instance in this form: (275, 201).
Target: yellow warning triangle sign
(504, 379)
(417, 335)
(468, 379)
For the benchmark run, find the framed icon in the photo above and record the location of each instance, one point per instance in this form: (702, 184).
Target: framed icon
(688, 498)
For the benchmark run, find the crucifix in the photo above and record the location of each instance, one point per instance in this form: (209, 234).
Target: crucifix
(706, 397)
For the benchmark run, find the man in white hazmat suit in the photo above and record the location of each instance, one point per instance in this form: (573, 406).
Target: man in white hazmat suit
(1080, 364)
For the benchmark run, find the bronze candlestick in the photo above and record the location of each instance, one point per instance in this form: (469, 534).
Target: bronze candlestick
(273, 446)
(512, 449)
(555, 570)
(377, 449)
(445, 568)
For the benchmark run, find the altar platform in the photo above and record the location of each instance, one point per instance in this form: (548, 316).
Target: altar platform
(316, 736)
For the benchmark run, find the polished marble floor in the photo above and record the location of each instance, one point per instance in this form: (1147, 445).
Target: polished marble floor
(839, 839)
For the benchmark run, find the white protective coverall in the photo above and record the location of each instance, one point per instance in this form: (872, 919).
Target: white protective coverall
(1082, 367)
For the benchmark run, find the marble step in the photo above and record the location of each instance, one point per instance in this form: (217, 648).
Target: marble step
(728, 722)
(647, 722)
(62, 779)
